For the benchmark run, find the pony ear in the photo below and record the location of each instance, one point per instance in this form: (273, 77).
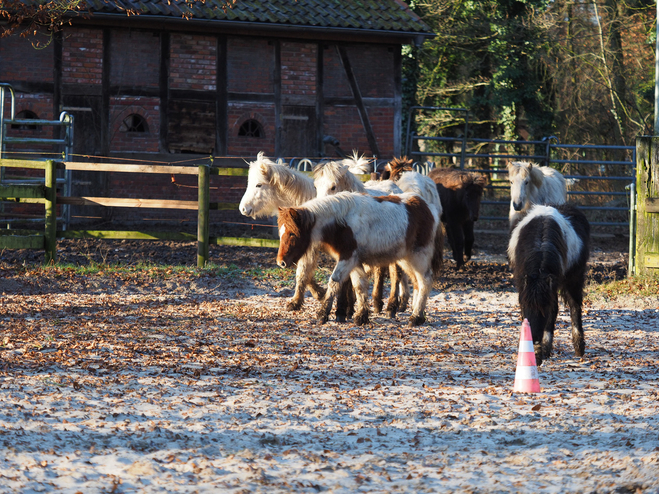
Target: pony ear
(536, 175)
(266, 171)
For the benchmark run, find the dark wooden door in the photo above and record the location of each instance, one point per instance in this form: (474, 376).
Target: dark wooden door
(298, 132)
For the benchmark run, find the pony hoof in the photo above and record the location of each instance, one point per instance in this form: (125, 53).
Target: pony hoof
(293, 305)
(377, 307)
(361, 319)
(391, 313)
(341, 318)
(417, 320)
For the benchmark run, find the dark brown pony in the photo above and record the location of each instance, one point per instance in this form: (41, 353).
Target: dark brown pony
(460, 193)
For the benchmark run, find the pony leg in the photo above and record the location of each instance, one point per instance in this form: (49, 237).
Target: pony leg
(378, 286)
(326, 305)
(339, 275)
(573, 296)
(345, 301)
(403, 290)
(360, 283)
(303, 279)
(422, 279)
(456, 240)
(393, 302)
(468, 231)
(543, 349)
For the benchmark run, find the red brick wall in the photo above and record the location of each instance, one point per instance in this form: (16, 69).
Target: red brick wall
(373, 67)
(250, 146)
(345, 122)
(15, 51)
(335, 80)
(193, 62)
(123, 141)
(82, 56)
(250, 66)
(298, 68)
(135, 58)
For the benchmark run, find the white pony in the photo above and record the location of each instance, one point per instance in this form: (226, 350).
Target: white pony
(531, 184)
(273, 185)
(358, 229)
(335, 176)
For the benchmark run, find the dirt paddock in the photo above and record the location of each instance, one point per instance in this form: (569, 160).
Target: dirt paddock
(164, 380)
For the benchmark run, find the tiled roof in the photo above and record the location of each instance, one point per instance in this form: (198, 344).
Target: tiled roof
(373, 15)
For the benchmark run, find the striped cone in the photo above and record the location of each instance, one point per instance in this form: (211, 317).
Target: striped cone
(526, 375)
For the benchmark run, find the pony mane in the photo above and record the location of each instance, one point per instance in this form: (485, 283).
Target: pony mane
(358, 165)
(340, 173)
(397, 166)
(293, 186)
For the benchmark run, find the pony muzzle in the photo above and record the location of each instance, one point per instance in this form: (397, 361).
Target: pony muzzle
(517, 206)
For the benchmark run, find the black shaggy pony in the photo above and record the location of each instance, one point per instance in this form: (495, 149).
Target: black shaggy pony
(460, 193)
(548, 252)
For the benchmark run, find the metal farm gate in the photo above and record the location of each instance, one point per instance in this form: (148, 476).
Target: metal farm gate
(600, 178)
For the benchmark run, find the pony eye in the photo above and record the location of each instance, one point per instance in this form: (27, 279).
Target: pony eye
(333, 187)
(258, 185)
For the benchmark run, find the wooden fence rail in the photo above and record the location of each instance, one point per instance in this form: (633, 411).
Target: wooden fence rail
(46, 194)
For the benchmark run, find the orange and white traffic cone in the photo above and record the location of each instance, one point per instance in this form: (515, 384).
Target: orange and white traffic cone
(526, 375)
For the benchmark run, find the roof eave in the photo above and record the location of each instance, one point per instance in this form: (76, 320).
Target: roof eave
(261, 28)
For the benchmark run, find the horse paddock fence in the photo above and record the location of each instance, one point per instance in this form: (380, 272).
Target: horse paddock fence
(46, 193)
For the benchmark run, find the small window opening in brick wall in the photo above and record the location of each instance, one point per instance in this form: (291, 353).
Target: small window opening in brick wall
(25, 115)
(135, 123)
(251, 128)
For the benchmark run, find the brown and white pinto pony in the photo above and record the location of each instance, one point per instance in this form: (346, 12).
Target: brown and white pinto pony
(460, 193)
(358, 229)
(548, 251)
(333, 177)
(270, 186)
(531, 184)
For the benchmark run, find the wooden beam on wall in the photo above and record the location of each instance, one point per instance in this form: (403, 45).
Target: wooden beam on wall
(164, 90)
(57, 74)
(277, 84)
(105, 91)
(222, 100)
(398, 101)
(320, 98)
(359, 102)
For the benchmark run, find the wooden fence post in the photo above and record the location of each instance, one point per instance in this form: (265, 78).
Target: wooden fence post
(203, 216)
(50, 203)
(647, 205)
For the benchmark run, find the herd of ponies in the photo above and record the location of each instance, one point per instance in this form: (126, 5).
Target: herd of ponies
(396, 225)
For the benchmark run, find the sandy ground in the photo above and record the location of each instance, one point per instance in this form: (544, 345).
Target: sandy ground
(157, 382)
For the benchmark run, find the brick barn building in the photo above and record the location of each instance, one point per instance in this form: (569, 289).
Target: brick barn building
(285, 77)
